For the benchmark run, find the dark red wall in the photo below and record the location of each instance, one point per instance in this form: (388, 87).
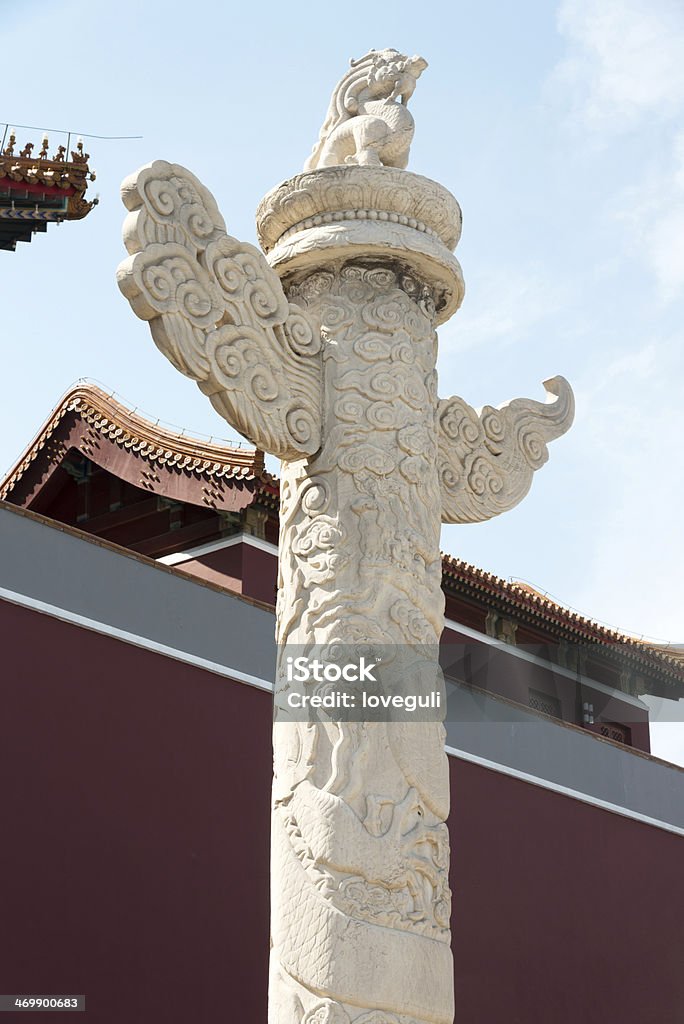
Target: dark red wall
(260, 574)
(222, 567)
(242, 568)
(134, 818)
(134, 857)
(562, 912)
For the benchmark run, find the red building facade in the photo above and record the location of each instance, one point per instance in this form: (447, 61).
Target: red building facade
(137, 614)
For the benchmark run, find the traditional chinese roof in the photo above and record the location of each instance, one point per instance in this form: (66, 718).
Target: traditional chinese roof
(38, 189)
(527, 605)
(144, 453)
(221, 477)
(674, 652)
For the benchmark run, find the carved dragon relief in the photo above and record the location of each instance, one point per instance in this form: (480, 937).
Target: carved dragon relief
(333, 370)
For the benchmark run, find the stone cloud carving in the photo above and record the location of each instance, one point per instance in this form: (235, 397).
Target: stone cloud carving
(487, 459)
(323, 351)
(218, 312)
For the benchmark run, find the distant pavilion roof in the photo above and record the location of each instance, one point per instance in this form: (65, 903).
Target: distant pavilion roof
(37, 190)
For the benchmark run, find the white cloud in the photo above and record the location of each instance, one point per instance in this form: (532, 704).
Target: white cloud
(653, 211)
(624, 70)
(630, 428)
(502, 307)
(665, 250)
(625, 58)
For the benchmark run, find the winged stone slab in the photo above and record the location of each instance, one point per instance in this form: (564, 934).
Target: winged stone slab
(487, 458)
(218, 311)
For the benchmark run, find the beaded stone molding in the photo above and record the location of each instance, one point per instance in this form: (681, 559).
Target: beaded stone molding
(334, 213)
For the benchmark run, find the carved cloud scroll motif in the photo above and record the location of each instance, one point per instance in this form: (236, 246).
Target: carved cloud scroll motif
(487, 459)
(218, 312)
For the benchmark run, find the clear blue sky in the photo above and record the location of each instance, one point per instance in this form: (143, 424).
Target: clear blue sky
(559, 130)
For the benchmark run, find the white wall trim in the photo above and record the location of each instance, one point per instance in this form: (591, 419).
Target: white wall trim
(558, 670)
(262, 545)
(218, 545)
(556, 787)
(65, 615)
(137, 640)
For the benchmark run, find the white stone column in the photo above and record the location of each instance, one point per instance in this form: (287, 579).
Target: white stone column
(360, 848)
(323, 353)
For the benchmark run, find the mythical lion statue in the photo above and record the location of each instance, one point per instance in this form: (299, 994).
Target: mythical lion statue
(368, 122)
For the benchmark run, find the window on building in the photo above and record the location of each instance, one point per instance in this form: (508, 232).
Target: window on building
(613, 731)
(545, 703)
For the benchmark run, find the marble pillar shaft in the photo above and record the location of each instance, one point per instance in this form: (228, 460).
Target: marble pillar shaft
(360, 849)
